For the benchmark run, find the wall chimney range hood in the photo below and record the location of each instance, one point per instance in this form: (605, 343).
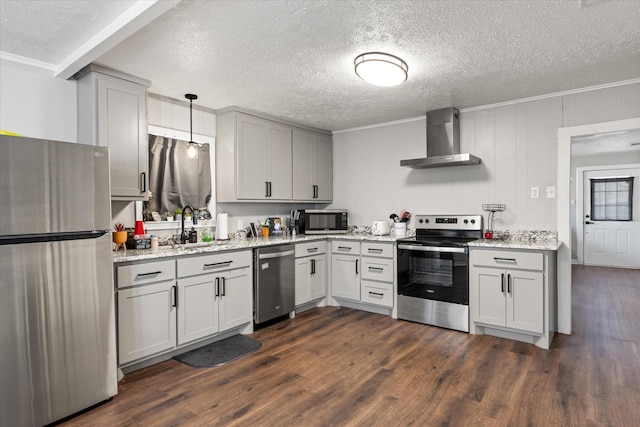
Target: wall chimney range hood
(443, 142)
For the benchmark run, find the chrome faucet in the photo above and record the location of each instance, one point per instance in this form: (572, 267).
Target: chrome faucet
(184, 238)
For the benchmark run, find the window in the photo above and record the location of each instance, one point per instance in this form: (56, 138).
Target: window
(174, 180)
(612, 199)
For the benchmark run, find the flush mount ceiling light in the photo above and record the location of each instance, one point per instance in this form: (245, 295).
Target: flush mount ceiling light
(381, 69)
(192, 149)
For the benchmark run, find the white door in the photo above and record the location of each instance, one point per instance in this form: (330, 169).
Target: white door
(607, 242)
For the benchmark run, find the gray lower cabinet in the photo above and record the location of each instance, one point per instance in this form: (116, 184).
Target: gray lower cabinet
(311, 272)
(345, 270)
(112, 112)
(363, 272)
(165, 305)
(215, 294)
(512, 294)
(146, 310)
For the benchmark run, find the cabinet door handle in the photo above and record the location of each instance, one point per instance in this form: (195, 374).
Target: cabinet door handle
(143, 182)
(375, 250)
(224, 286)
(508, 283)
(357, 267)
(175, 296)
(315, 191)
(217, 264)
(269, 187)
(502, 282)
(376, 294)
(153, 273)
(380, 269)
(344, 248)
(217, 285)
(312, 249)
(313, 266)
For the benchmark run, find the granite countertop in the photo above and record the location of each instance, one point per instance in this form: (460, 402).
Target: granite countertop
(533, 240)
(239, 244)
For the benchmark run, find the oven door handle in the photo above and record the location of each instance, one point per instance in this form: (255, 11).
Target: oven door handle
(432, 249)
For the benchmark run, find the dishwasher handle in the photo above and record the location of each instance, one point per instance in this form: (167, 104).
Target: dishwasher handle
(276, 254)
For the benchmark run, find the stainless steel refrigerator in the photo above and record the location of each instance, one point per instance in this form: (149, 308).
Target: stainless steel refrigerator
(57, 325)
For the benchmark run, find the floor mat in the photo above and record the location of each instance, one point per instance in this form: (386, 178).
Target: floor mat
(221, 352)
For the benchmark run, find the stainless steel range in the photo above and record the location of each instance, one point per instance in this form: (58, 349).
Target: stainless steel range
(433, 270)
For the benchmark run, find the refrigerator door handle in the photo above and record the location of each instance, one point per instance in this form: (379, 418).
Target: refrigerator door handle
(51, 237)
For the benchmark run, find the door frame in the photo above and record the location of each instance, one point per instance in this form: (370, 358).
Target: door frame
(565, 134)
(580, 201)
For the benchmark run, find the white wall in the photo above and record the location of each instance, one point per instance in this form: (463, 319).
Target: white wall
(517, 144)
(36, 104)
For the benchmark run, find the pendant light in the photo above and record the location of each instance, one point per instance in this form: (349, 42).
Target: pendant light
(381, 69)
(192, 149)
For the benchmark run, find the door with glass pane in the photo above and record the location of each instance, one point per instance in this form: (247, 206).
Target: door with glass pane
(612, 216)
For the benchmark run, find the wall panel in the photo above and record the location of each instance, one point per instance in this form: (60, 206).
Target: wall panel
(517, 144)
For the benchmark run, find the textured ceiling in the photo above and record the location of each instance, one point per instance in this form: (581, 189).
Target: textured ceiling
(48, 31)
(294, 59)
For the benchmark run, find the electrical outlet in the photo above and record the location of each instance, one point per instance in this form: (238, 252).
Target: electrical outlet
(535, 192)
(551, 192)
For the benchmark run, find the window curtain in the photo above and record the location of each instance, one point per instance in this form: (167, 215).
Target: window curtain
(174, 180)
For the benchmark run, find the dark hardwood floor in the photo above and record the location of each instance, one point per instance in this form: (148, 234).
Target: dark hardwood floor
(338, 366)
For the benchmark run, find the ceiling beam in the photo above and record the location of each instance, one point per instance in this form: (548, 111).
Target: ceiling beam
(140, 14)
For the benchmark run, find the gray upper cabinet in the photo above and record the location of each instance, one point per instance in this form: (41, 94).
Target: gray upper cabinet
(112, 112)
(253, 159)
(258, 159)
(312, 166)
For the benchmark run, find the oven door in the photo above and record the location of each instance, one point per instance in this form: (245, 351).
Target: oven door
(434, 273)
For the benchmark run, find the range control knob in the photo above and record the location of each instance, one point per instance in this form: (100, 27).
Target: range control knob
(473, 221)
(427, 221)
(421, 221)
(466, 221)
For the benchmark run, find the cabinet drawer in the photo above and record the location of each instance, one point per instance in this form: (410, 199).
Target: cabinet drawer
(311, 248)
(142, 274)
(383, 250)
(343, 247)
(376, 293)
(213, 263)
(377, 269)
(507, 259)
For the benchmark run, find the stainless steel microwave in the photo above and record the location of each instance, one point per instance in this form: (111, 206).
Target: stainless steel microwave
(324, 221)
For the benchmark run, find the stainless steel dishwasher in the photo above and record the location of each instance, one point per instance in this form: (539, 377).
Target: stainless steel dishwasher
(274, 282)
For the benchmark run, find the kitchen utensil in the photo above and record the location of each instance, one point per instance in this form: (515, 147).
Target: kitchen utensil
(380, 228)
(394, 217)
(406, 216)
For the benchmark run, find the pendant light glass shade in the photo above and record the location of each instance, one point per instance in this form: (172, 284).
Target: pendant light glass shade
(192, 149)
(381, 69)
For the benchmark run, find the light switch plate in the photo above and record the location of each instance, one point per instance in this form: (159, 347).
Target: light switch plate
(535, 192)
(551, 192)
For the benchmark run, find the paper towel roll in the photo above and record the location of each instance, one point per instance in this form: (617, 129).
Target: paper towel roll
(222, 226)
